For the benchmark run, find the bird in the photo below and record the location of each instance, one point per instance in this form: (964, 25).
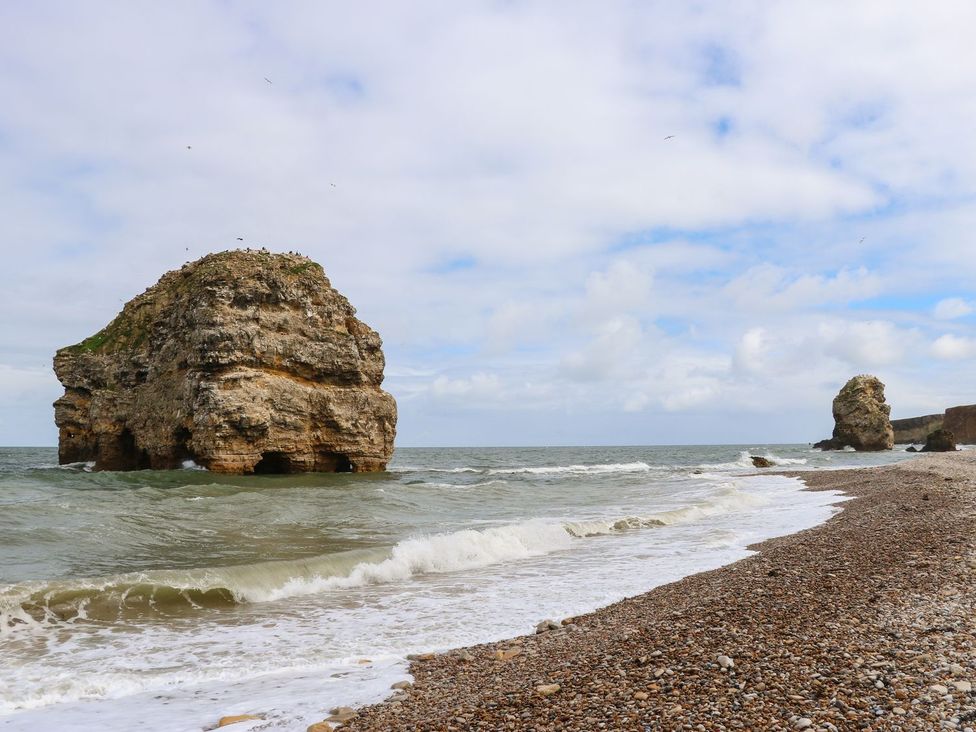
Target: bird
(267, 79)
(240, 238)
(669, 137)
(332, 184)
(189, 147)
(188, 249)
(862, 240)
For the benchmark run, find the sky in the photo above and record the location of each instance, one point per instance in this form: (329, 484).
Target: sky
(571, 223)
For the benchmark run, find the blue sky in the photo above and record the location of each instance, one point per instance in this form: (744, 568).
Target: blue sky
(544, 266)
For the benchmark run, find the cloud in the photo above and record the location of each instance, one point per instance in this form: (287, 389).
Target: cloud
(865, 345)
(951, 347)
(505, 208)
(610, 354)
(750, 351)
(952, 307)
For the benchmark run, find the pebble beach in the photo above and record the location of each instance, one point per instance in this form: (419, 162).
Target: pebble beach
(865, 622)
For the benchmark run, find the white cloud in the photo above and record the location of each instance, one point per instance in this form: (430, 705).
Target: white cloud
(865, 345)
(480, 386)
(951, 347)
(952, 307)
(506, 211)
(750, 351)
(610, 354)
(622, 287)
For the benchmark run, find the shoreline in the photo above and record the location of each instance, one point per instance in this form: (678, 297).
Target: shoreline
(862, 622)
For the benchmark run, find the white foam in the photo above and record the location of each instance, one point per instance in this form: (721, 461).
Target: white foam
(460, 550)
(730, 501)
(459, 486)
(635, 467)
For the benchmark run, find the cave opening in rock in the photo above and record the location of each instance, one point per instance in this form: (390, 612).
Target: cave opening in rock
(333, 462)
(272, 463)
(181, 446)
(130, 455)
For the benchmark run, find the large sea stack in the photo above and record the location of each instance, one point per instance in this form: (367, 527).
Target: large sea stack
(861, 417)
(243, 362)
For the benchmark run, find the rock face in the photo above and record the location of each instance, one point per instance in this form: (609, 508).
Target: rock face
(243, 361)
(961, 421)
(915, 429)
(940, 441)
(861, 417)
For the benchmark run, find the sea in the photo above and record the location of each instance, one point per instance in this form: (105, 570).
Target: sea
(165, 600)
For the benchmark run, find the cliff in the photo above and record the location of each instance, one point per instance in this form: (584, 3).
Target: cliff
(916, 429)
(961, 421)
(243, 361)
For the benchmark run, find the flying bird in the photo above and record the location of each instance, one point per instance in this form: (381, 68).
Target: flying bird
(240, 238)
(267, 79)
(669, 137)
(332, 184)
(188, 147)
(862, 240)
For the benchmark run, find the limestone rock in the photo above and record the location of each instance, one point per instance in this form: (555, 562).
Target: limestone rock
(940, 441)
(861, 417)
(243, 362)
(761, 462)
(234, 719)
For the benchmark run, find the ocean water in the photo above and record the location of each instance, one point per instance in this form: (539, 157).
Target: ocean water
(165, 600)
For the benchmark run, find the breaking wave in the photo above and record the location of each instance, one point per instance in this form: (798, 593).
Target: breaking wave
(171, 592)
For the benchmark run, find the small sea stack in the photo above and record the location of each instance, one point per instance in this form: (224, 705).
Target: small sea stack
(940, 441)
(861, 417)
(242, 362)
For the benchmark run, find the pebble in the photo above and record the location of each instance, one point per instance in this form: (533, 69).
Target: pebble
(235, 718)
(725, 662)
(547, 689)
(803, 723)
(963, 686)
(342, 714)
(507, 654)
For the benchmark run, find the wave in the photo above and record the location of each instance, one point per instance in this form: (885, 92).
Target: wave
(744, 461)
(176, 592)
(417, 469)
(636, 467)
(457, 486)
(727, 502)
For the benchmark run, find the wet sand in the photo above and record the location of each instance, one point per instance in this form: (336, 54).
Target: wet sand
(866, 622)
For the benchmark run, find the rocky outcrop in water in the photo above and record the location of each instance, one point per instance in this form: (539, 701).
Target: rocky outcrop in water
(940, 441)
(243, 361)
(860, 417)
